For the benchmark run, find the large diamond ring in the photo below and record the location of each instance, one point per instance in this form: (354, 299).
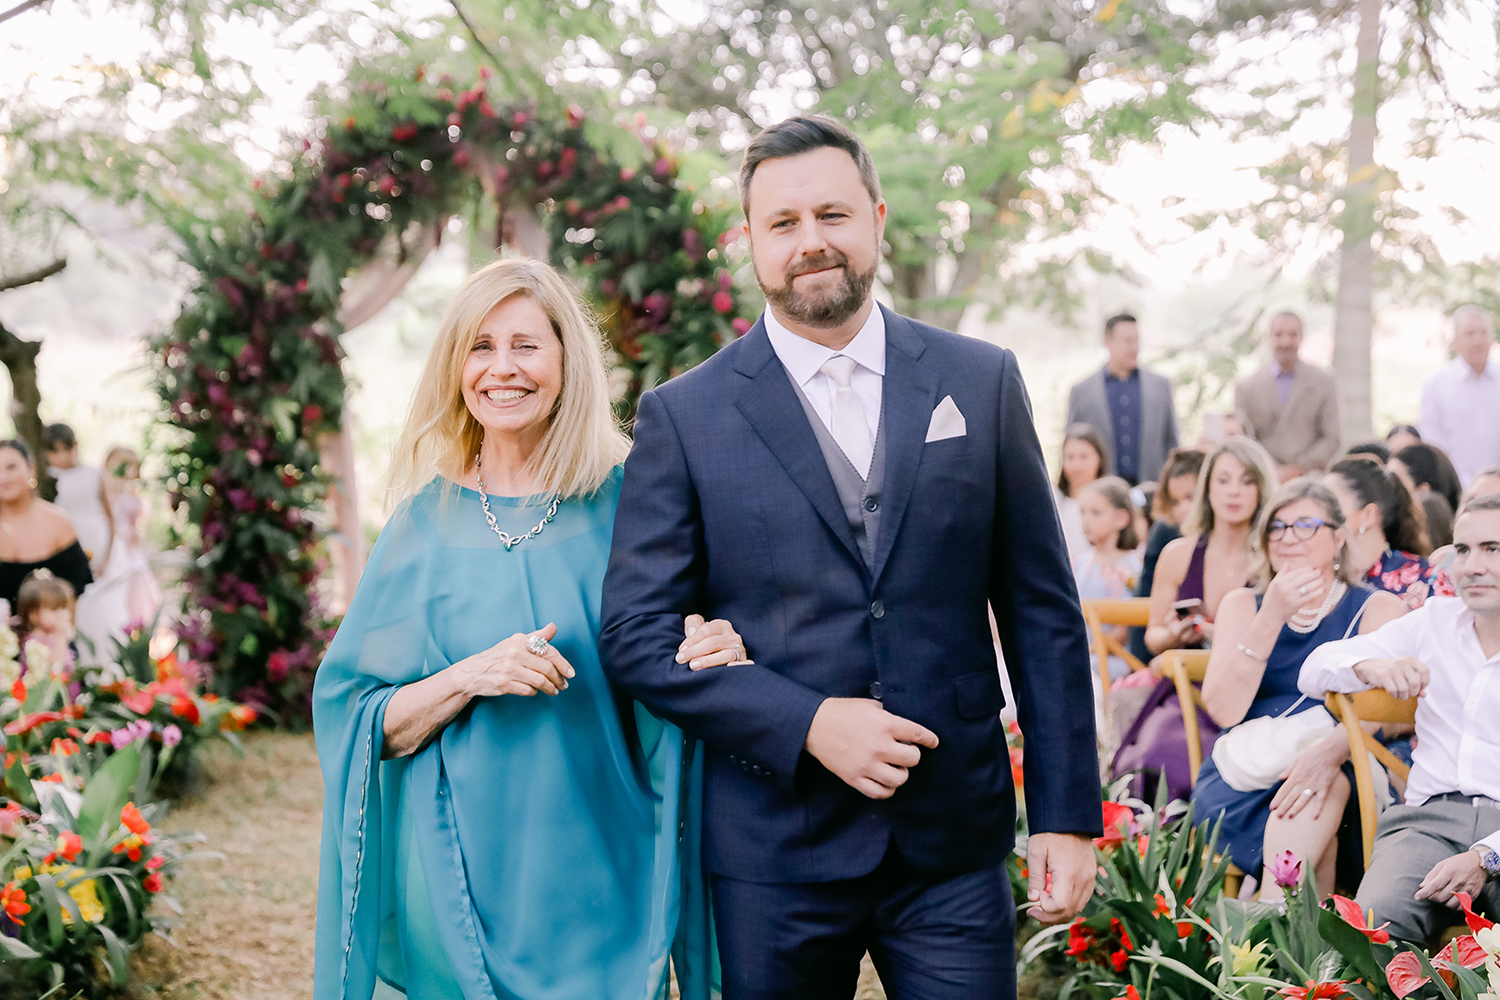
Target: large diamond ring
(1302, 591)
(1306, 792)
(537, 644)
(739, 653)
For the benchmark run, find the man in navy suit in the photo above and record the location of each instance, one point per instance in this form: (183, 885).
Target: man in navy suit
(854, 491)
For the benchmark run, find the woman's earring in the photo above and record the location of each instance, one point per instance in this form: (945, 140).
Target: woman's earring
(1363, 529)
(31, 482)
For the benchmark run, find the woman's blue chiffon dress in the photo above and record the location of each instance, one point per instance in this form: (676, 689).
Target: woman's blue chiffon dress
(539, 848)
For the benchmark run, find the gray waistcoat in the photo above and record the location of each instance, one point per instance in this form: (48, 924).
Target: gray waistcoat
(861, 498)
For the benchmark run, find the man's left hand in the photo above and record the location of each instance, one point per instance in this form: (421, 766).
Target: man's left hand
(1062, 870)
(1460, 873)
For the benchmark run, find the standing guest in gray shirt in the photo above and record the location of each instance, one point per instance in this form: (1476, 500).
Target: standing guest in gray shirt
(1461, 403)
(1130, 406)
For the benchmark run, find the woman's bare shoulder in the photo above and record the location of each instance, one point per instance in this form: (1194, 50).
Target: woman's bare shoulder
(53, 523)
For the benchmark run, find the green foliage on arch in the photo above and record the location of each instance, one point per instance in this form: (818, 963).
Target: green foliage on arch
(249, 375)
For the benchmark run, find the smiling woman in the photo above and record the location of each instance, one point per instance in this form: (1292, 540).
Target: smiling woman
(444, 769)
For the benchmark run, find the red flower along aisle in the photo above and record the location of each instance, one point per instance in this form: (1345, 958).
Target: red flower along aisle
(84, 872)
(249, 375)
(1160, 928)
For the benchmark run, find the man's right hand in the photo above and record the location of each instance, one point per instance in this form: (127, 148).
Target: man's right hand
(1402, 677)
(870, 749)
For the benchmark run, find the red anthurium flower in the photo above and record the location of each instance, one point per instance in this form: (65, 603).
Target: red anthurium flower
(69, 846)
(1184, 928)
(155, 863)
(139, 702)
(13, 901)
(1404, 974)
(1350, 911)
(1316, 991)
(1463, 951)
(151, 883)
(1474, 920)
(131, 817)
(186, 709)
(27, 723)
(1119, 820)
(1162, 909)
(1118, 959)
(1131, 993)
(18, 691)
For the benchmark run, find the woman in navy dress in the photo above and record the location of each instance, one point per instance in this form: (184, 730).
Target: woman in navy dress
(1262, 638)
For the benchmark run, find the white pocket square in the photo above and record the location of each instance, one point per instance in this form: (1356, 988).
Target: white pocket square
(947, 422)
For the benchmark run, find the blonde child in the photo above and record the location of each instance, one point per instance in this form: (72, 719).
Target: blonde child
(1109, 567)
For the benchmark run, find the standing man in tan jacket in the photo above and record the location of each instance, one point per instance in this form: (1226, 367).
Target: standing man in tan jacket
(1290, 406)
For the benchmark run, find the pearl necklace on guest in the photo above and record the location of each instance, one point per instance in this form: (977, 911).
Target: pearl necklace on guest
(1303, 621)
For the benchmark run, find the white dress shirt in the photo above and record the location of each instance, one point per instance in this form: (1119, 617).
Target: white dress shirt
(804, 360)
(1460, 414)
(1458, 720)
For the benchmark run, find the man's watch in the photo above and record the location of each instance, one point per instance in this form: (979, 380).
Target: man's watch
(1489, 859)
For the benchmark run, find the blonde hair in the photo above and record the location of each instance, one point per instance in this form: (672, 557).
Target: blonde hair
(1256, 460)
(582, 443)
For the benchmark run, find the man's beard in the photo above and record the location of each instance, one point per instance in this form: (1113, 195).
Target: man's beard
(822, 309)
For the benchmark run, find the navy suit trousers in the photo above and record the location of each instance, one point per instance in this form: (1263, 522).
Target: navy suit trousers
(932, 937)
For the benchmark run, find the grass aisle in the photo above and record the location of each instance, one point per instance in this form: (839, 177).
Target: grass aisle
(247, 927)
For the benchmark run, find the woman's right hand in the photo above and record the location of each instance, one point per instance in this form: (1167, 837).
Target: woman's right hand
(509, 667)
(1182, 632)
(1293, 589)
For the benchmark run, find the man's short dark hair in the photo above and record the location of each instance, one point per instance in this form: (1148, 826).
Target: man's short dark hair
(1484, 501)
(1114, 321)
(804, 134)
(55, 436)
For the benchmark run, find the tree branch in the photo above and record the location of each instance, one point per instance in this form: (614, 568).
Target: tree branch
(474, 34)
(20, 8)
(32, 277)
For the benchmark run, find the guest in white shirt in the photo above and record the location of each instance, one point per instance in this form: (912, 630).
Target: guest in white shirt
(1445, 839)
(1461, 404)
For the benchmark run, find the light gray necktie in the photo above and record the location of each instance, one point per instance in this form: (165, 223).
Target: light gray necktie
(850, 427)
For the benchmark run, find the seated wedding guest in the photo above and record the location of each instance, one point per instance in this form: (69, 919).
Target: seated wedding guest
(1171, 506)
(1370, 449)
(1386, 531)
(1486, 480)
(1084, 459)
(80, 493)
(1290, 406)
(1215, 554)
(1431, 478)
(479, 840)
(1109, 566)
(34, 534)
(1401, 436)
(1271, 796)
(1445, 836)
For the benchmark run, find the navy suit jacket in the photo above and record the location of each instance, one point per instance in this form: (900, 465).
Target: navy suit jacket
(728, 510)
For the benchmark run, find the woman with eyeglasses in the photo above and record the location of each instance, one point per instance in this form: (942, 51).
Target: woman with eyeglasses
(1307, 597)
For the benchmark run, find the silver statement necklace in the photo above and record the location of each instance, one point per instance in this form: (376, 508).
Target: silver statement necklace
(1305, 621)
(506, 539)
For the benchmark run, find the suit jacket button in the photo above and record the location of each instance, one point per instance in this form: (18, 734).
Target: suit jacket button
(871, 504)
(876, 691)
(877, 610)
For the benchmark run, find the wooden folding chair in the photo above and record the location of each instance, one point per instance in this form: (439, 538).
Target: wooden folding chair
(1187, 668)
(1133, 613)
(1370, 706)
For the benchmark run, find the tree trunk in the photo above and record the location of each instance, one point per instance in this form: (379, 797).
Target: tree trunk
(19, 358)
(1354, 314)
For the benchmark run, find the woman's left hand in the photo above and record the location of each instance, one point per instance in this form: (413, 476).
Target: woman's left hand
(1311, 777)
(710, 644)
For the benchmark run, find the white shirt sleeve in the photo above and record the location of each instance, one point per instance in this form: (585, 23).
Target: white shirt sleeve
(1330, 667)
(1492, 842)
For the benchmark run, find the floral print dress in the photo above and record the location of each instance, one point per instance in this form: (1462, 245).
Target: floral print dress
(1399, 572)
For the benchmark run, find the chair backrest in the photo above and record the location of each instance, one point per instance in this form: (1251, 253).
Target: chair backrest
(1353, 710)
(1135, 612)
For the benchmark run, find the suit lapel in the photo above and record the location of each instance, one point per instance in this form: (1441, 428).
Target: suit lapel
(768, 401)
(908, 397)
